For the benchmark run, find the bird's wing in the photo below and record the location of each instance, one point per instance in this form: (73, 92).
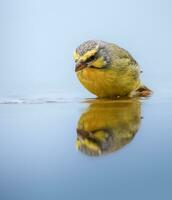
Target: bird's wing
(121, 53)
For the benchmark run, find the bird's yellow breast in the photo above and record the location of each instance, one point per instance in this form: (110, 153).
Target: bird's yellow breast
(108, 82)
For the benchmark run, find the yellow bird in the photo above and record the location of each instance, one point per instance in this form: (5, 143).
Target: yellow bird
(107, 126)
(107, 70)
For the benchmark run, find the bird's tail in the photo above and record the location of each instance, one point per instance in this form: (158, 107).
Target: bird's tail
(144, 91)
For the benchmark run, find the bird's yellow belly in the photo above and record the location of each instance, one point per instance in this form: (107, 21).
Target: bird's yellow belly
(107, 83)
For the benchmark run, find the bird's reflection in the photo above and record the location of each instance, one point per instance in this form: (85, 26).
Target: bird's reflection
(107, 126)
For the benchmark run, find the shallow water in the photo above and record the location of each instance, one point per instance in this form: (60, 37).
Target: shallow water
(85, 149)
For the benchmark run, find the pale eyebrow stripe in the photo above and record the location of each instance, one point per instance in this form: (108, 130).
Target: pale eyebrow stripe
(88, 54)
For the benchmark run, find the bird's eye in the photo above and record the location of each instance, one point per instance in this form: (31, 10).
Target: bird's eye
(91, 58)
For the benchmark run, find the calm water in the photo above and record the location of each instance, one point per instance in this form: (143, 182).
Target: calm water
(86, 150)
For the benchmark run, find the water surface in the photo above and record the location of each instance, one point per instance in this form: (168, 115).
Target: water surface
(87, 149)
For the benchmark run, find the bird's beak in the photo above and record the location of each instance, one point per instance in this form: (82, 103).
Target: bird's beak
(79, 66)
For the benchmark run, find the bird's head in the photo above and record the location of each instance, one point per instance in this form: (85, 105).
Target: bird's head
(91, 54)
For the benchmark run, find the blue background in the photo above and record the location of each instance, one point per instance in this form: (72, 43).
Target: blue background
(38, 37)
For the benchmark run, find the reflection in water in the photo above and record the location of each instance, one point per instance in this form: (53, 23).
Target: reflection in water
(107, 126)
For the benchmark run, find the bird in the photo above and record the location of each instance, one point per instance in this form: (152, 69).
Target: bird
(107, 125)
(108, 71)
